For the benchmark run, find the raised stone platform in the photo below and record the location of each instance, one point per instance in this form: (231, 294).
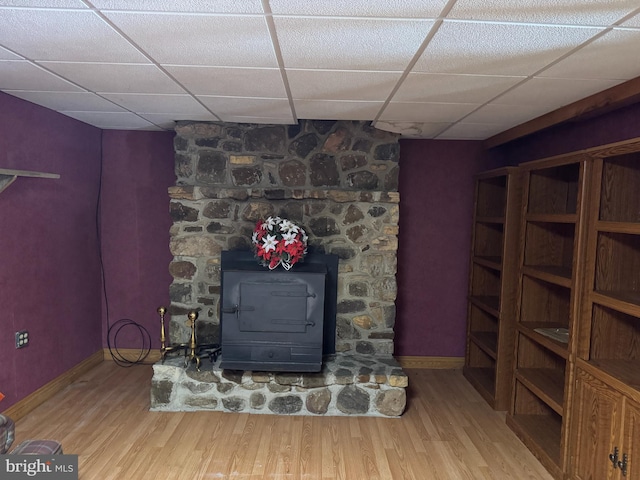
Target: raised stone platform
(348, 385)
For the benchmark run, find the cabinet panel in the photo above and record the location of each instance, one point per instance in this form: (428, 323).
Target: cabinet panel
(631, 442)
(596, 418)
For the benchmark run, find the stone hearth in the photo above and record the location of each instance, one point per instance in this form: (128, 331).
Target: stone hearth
(348, 384)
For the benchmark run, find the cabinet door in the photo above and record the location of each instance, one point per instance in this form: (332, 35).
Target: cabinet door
(596, 420)
(631, 437)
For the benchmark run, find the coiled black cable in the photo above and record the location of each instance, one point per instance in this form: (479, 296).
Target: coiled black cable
(113, 331)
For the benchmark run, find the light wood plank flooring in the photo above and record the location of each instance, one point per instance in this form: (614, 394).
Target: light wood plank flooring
(448, 432)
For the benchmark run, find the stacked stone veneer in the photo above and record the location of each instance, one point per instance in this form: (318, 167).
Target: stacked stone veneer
(338, 180)
(348, 385)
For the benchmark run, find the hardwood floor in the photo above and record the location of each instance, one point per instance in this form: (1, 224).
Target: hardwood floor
(448, 432)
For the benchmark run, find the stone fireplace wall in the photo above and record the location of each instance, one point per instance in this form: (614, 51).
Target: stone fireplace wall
(338, 180)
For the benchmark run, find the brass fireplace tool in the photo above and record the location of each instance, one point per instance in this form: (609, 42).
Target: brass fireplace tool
(192, 351)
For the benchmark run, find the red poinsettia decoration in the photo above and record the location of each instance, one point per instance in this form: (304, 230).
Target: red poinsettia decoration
(278, 241)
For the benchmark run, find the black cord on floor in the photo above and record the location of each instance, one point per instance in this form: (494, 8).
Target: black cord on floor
(113, 331)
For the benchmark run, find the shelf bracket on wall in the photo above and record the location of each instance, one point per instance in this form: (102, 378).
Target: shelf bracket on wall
(7, 177)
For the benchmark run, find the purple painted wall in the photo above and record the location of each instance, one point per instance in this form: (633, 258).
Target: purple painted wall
(615, 126)
(436, 210)
(137, 171)
(49, 268)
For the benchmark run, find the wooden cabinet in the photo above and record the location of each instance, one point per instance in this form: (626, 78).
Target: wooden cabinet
(606, 428)
(575, 399)
(492, 285)
(608, 346)
(550, 252)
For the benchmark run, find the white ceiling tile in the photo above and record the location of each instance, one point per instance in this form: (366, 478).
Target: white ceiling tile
(498, 49)
(341, 85)
(633, 21)
(263, 120)
(73, 35)
(412, 129)
(80, 101)
(7, 55)
(553, 91)
(247, 107)
(567, 12)
(336, 110)
(507, 115)
(23, 75)
(615, 55)
(360, 8)
(112, 120)
(153, 103)
(44, 3)
(167, 120)
(230, 41)
(116, 78)
(200, 6)
(471, 131)
(230, 81)
(426, 112)
(437, 87)
(349, 44)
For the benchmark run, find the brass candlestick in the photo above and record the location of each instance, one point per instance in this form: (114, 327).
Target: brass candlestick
(163, 346)
(172, 347)
(193, 316)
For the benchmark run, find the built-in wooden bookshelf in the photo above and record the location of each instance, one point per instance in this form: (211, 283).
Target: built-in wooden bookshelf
(551, 242)
(606, 406)
(575, 399)
(492, 285)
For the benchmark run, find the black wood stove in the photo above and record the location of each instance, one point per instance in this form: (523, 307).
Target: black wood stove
(277, 320)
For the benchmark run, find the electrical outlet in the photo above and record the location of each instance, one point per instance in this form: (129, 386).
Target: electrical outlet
(22, 339)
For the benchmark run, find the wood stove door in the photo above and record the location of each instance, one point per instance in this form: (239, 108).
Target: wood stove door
(273, 307)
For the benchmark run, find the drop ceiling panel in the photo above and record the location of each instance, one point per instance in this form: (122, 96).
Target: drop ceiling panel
(436, 87)
(202, 6)
(553, 91)
(116, 78)
(75, 35)
(80, 101)
(360, 8)
(426, 112)
(44, 3)
(470, 131)
(167, 121)
(190, 39)
(566, 12)
(336, 110)
(230, 81)
(113, 120)
(633, 21)
(498, 49)
(428, 69)
(151, 103)
(413, 129)
(7, 55)
(23, 75)
(615, 55)
(341, 85)
(226, 107)
(348, 43)
(506, 115)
